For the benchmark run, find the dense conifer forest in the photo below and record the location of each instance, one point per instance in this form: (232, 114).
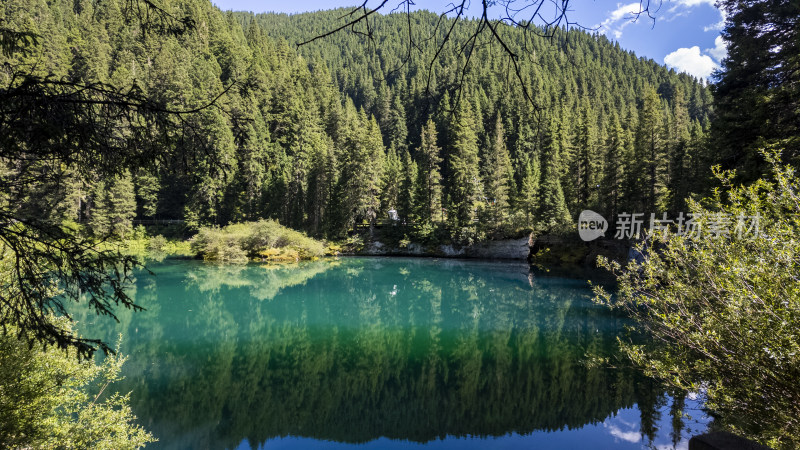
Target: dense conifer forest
(260, 141)
(342, 131)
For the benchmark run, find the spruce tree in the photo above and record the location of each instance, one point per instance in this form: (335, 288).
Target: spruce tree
(362, 174)
(498, 176)
(529, 192)
(98, 210)
(651, 152)
(679, 137)
(464, 188)
(554, 215)
(393, 175)
(429, 200)
(757, 91)
(147, 188)
(121, 200)
(615, 168)
(409, 174)
(586, 164)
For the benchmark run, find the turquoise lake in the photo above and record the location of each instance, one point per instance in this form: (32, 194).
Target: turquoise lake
(388, 353)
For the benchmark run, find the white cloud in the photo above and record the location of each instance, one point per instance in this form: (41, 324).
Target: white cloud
(719, 25)
(690, 3)
(618, 19)
(720, 49)
(691, 61)
(631, 435)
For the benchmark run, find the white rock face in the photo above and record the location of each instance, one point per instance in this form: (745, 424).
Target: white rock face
(376, 248)
(415, 249)
(503, 249)
(449, 250)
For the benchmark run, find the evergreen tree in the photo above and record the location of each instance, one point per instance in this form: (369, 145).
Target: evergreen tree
(147, 188)
(121, 200)
(679, 136)
(529, 192)
(393, 177)
(362, 172)
(553, 214)
(429, 199)
(322, 178)
(408, 188)
(98, 210)
(758, 89)
(651, 152)
(586, 163)
(616, 160)
(464, 188)
(498, 176)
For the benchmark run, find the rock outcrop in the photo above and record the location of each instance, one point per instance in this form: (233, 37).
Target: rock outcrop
(513, 249)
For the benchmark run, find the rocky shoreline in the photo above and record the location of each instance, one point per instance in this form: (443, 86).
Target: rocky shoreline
(549, 249)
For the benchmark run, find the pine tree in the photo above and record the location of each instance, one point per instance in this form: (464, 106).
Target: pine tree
(529, 192)
(408, 188)
(362, 174)
(757, 92)
(586, 164)
(98, 210)
(554, 215)
(393, 176)
(615, 168)
(679, 137)
(322, 178)
(121, 205)
(498, 176)
(464, 188)
(651, 151)
(429, 199)
(147, 190)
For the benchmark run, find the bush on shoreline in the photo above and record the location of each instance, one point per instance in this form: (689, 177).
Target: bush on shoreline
(50, 399)
(723, 312)
(263, 240)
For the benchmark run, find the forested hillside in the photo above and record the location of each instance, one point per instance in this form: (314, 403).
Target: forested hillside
(343, 130)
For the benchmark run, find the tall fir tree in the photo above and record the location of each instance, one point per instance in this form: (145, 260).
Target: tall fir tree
(429, 199)
(465, 183)
(407, 196)
(553, 212)
(616, 159)
(651, 153)
(498, 174)
(528, 199)
(121, 199)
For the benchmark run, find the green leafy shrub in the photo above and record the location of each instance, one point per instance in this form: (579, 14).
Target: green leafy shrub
(723, 312)
(50, 399)
(157, 243)
(236, 242)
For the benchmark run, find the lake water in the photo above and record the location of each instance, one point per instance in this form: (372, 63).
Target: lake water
(383, 353)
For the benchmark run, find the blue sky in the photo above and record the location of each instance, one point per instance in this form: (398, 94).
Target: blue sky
(685, 35)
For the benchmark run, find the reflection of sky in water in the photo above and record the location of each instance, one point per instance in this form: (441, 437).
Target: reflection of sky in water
(621, 431)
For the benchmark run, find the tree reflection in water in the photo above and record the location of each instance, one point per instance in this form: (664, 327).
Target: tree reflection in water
(362, 348)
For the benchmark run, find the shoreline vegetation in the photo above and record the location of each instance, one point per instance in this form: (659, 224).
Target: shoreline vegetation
(267, 241)
(60, 401)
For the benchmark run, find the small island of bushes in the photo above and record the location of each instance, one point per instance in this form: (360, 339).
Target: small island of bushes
(264, 240)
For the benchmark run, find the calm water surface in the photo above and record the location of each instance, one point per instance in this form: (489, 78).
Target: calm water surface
(383, 353)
